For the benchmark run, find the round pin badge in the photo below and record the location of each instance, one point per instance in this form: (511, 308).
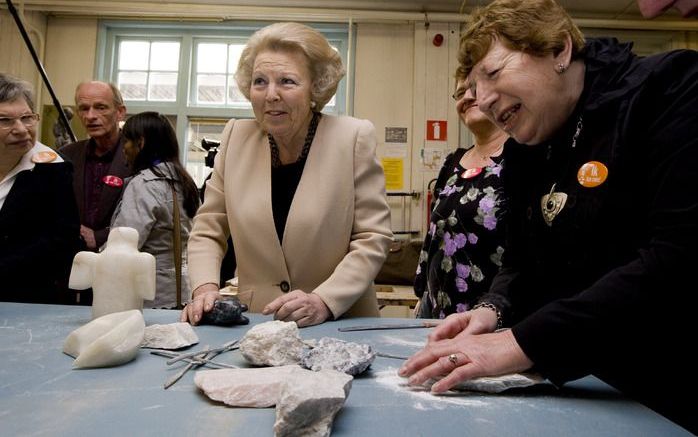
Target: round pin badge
(592, 174)
(471, 173)
(113, 181)
(44, 157)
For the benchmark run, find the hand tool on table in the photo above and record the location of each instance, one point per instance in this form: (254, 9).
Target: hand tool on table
(231, 345)
(209, 354)
(412, 325)
(384, 355)
(207, 363)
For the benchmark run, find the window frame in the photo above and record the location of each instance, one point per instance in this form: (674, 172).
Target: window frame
(112, 32)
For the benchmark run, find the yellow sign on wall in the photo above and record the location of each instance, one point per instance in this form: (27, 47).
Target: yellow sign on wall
(393, 168)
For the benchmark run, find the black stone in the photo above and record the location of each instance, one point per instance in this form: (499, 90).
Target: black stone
(226, 312)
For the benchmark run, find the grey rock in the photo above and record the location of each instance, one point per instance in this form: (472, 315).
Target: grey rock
(274, 343)
(334, 354)
(256, 388)
(498, 384)
(170, 336)
(310, 401)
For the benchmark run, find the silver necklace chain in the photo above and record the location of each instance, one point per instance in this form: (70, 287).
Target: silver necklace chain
(580, 125)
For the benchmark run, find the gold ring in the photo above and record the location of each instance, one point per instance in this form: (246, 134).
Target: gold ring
(453, 358)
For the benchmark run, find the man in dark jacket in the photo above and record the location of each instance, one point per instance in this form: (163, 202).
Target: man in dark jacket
(99, 162)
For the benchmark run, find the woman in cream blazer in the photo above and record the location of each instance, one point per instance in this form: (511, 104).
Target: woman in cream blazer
(338, 227)
(321, 264)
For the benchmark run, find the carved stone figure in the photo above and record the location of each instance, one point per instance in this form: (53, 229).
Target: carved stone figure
(106, 341)
(120, 276)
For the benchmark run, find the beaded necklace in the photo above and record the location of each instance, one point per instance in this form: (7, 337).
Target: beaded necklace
(276, 161)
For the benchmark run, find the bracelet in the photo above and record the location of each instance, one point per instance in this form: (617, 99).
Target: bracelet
(491, 306)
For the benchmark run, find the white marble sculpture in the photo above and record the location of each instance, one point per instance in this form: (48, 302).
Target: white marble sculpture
(106, 341)
(120, 276)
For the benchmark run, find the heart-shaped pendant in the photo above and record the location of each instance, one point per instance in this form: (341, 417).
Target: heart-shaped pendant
(551, 204)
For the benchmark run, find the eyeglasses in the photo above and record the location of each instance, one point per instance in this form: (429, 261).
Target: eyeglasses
(28, 120)
(460, 92)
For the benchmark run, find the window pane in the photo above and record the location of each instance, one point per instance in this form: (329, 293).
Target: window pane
(196, 155)
(165, 56)
(132, 85)
(133, 55)
(211, 58)
(163, 87)
(234, 52)
(210, 88)
(234, 94)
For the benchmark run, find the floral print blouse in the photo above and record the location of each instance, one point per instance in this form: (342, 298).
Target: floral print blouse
(463, 248)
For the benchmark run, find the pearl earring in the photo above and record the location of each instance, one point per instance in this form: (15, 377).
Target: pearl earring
(560, 68)
(313, 105)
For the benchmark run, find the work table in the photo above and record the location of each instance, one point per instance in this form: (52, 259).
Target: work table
(40, 393)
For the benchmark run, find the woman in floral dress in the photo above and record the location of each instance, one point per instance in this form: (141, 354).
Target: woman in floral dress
(464, 243)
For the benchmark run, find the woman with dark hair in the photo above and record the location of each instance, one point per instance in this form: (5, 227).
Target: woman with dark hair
(149, 204)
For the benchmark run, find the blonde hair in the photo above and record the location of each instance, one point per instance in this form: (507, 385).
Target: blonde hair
(324, 62)
(535, 27)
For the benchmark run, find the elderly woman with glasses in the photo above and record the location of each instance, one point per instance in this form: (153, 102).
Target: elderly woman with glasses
(464, 244)
(602, 183)
(39, 225)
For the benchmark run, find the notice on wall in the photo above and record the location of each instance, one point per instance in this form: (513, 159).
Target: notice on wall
(433, 158)
(395, 134)
(393, 169)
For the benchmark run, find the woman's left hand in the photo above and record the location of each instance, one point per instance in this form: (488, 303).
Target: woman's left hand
(305, 309)
(465, 357)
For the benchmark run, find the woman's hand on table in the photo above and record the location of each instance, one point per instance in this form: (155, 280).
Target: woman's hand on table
(306, 309)
(465, 357)
(479, 321)
(202, 301)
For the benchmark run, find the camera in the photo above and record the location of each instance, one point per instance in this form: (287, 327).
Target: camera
(211, 146)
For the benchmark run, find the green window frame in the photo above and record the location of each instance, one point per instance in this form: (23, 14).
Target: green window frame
(192, 117)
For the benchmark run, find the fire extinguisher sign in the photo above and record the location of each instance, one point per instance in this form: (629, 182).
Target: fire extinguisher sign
(437, 130)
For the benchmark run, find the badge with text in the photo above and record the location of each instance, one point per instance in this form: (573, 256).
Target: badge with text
(471, 173)
(43, 157)
(592, 174)
(113, 181)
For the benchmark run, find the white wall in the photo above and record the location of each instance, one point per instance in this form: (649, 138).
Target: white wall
(401, 80)
(15, 57)
(70, 55)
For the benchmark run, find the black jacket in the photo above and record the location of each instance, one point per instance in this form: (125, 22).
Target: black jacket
(39, 234)
(608, 289)
(110, 195)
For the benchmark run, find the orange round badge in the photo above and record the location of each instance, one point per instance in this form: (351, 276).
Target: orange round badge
(43, 157)
(592, 174)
